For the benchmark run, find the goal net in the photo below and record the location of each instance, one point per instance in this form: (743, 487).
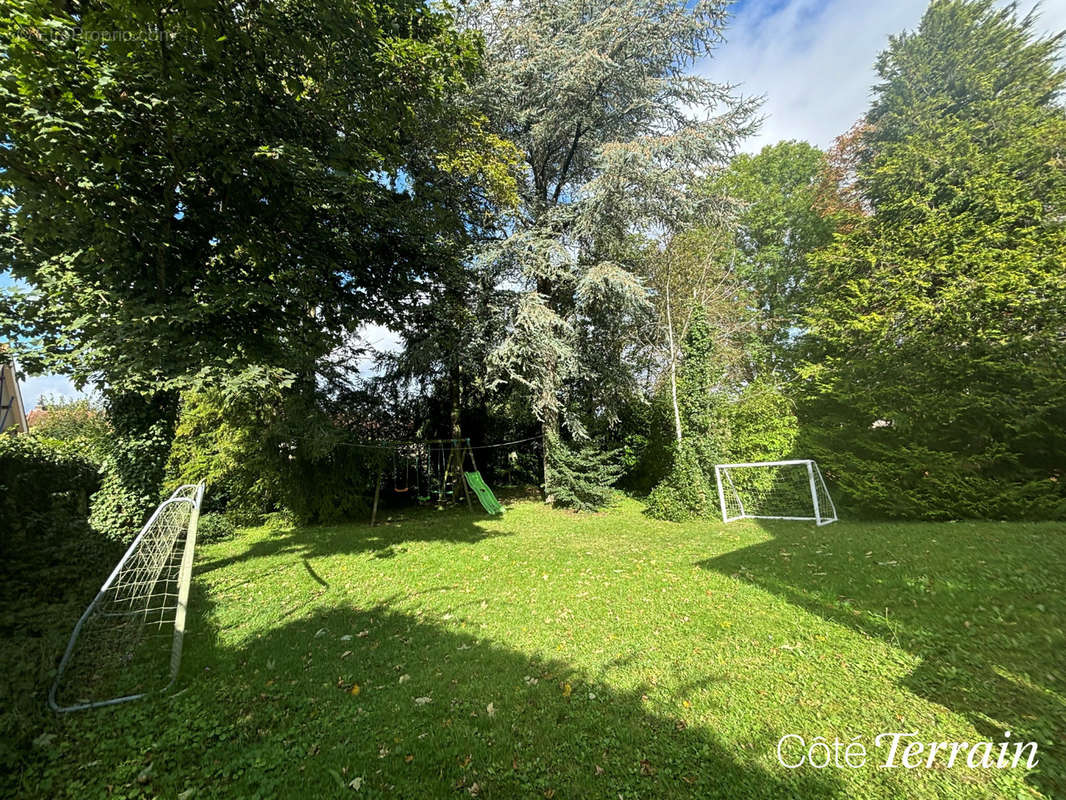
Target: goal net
(774, 490)
(128, 642)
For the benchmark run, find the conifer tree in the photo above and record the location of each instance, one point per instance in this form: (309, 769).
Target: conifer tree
(601, 100)
(935, 354)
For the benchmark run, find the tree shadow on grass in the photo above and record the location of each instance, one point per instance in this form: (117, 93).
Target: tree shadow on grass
(384, 540)
(980, 603)
(392, 705)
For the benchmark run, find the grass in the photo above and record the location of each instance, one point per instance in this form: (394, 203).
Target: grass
(554, 655)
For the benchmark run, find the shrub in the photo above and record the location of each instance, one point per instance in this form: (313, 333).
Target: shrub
(230, 447)
(705, 422)
(78, 421)
(51, 562)
(329, 485)
(685, 493)
(135, 462)
(581, 477)
(877, 473)
(45, 486)
(653, 445)
(762, 423)
(214, 527)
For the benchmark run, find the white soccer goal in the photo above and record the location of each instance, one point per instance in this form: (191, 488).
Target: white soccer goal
(774, 490)
(128, 642)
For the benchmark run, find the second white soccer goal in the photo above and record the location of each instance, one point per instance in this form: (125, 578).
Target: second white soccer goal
(774, 490)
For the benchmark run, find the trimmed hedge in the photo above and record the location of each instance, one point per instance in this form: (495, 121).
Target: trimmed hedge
(45, 486)
(51, 562)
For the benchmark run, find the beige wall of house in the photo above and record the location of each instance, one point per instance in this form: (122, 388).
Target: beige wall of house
(12, 411)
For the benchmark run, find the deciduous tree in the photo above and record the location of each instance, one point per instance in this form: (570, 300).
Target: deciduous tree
(195, 192)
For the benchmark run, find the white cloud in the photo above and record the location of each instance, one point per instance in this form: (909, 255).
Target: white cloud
(34, 387)
(814, 60)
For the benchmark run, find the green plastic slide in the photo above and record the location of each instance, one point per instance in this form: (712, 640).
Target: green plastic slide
(483, 492)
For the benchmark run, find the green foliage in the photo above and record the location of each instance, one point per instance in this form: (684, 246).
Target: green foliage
(237, 189)
(229, 163)
(718, 424)
(51, 562)
(935, 359)
(581, 476)
(215, 527)
(703, 405)
(778, 225)
(79, 421)
(686, 491)
(135, 462)
(762, 424)
(702, 393)
(231, 444)
(608, 139)
(330, 485)
(44, 489)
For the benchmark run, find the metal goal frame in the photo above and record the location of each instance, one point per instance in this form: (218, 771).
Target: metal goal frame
(730, 499)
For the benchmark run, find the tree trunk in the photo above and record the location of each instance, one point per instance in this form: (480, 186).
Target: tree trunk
(550, 413)
(673, 365)
(455, 399)
(549, 429)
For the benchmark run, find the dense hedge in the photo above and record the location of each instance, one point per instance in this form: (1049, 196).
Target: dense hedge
(45, 486)
(875, 473)
(51, 563)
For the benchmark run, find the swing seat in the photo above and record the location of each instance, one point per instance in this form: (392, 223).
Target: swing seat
(401, 491)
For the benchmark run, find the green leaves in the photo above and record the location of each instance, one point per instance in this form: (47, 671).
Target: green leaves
(935, 341)
(598, 100)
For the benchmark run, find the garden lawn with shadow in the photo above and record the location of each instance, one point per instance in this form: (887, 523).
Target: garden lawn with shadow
(552, 655)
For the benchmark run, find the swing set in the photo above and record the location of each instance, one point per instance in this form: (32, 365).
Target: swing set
(443, 475)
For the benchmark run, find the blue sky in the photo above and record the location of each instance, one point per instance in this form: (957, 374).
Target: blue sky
(812, 59)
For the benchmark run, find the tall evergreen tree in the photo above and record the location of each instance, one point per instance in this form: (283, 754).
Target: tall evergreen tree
(936, 350)
(613, 126)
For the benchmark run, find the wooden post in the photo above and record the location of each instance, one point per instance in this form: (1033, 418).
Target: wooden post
(462, 474)
(377, 493)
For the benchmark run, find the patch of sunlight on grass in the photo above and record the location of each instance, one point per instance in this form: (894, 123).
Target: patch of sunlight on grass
(547, 653)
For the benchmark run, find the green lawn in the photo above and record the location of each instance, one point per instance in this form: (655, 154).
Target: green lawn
(547, 654)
